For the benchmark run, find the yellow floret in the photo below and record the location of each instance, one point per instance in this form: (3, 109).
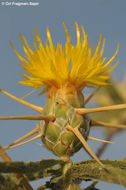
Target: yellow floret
(48, 66)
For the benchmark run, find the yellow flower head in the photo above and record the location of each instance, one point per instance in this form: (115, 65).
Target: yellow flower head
(48, 66)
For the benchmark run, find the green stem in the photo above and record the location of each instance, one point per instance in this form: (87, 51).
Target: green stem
(115, 170)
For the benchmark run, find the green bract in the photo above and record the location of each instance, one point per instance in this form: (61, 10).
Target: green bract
(55, 136)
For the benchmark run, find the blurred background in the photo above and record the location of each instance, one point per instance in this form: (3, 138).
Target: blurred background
(97, 16)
